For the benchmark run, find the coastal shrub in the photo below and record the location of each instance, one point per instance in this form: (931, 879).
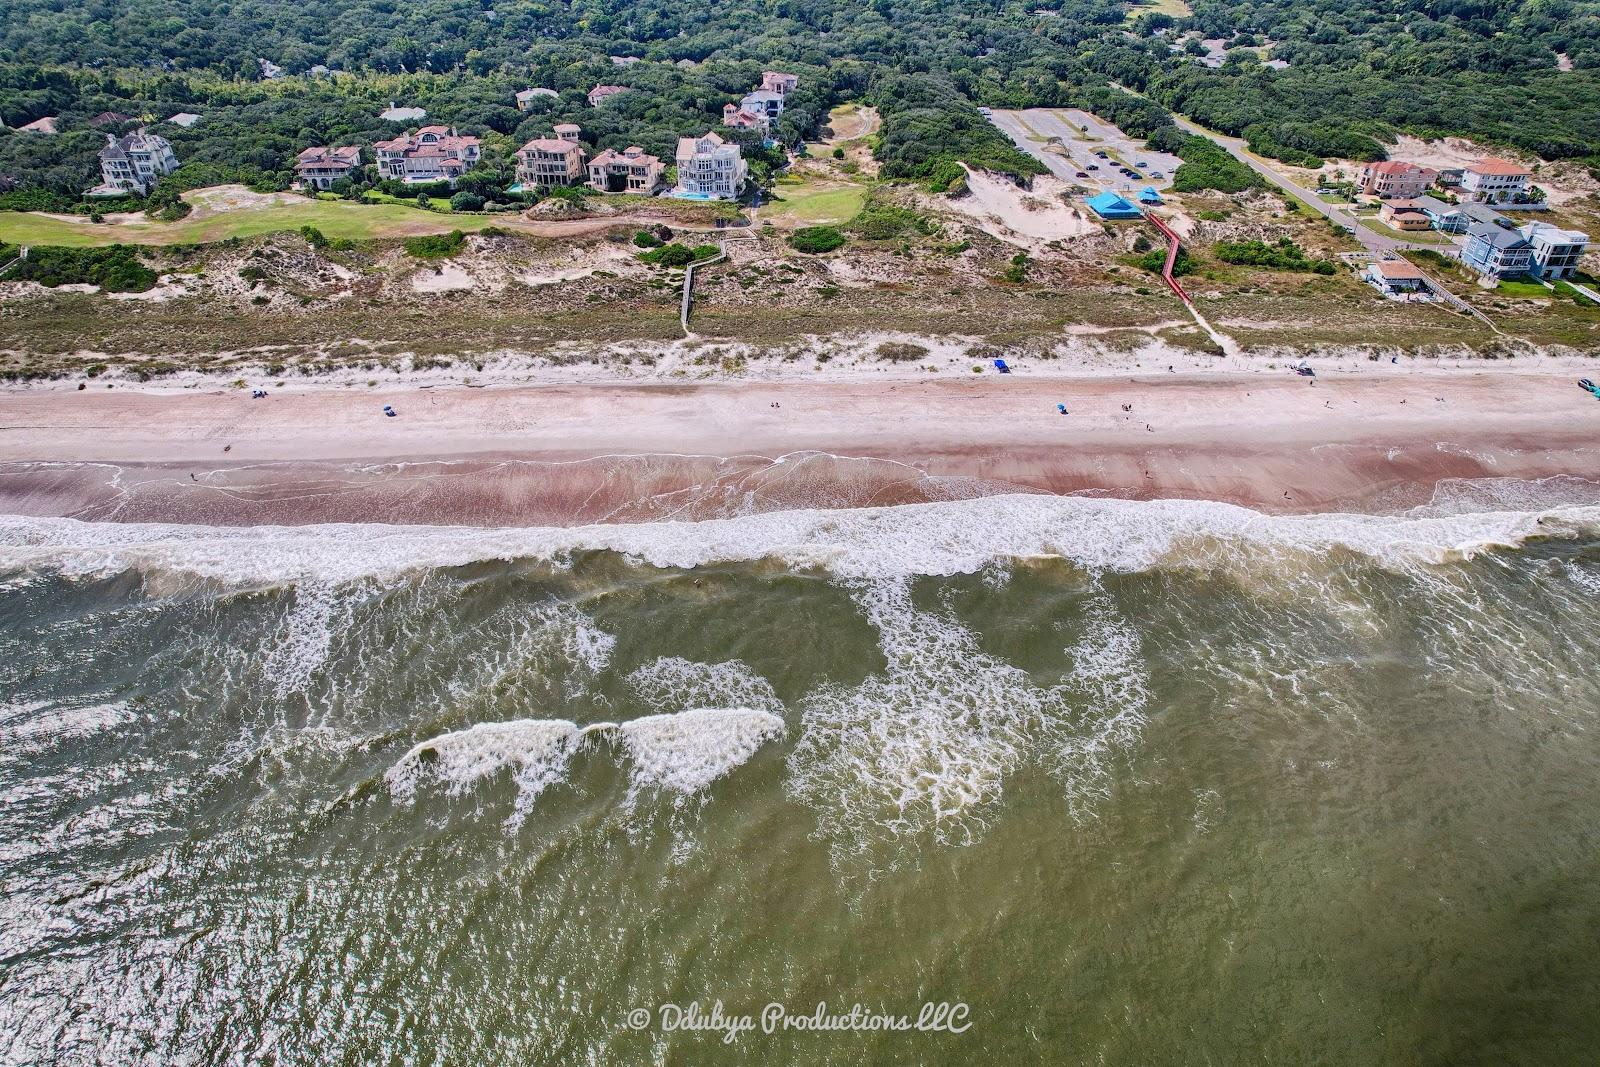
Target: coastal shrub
(880, 219)
(466, 202)
(1154, 259)
(1017, 271)
(646, 239)
(900, 352)
(436, 245)
(816, 239)
(314, 237)
(1283, 255)
(1206, 164)
(115, 268)
(676, 255)
(35, 199)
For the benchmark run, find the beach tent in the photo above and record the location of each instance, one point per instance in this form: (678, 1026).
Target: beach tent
(1148, 195)
(1109, 205)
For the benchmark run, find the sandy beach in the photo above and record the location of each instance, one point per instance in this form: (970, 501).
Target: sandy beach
(560, 454)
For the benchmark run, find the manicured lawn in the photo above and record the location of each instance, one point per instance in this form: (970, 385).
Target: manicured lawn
(335, 219)
(1424, 237)
(813, 203)
(1522, 289)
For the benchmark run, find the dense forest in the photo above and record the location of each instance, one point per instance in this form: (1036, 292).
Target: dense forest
(271, 77)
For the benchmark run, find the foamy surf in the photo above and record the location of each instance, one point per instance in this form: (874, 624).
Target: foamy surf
(683, 752)
(945, 538)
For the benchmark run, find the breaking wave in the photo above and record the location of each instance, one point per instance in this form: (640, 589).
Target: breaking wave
(943, 538)
(683, 752)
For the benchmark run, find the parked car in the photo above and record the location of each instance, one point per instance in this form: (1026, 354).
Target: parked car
(1083, 174)
(1157, 174)
(1141, 164)
(1094, 166)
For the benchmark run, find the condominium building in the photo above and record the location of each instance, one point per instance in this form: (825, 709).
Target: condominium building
(1393, 179)
(1495, 251)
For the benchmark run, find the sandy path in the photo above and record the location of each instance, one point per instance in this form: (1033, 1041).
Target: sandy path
(580, 453)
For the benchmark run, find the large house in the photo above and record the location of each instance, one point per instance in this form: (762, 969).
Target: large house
(1393, 179)
(1455, 218)
(548, 161)
(736, 118)
(1496, 252)
(134, 162)
(765, 102)
(709, 167)
(601, 93)
(432, 154)
(627, 171)
(1495, 181)
(318, 168)
(778, 82)
(1556, 252)
(526, 98)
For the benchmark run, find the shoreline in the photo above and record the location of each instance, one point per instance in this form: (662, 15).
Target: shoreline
(636, 451)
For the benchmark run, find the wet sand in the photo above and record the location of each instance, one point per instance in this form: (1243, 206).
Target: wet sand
(571, 454)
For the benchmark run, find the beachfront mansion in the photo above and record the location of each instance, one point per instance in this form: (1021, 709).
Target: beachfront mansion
(134, 163)
(710, 168)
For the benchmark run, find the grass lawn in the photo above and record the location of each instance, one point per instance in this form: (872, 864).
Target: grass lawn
(813, 203)
(1421, 237)
(1178, 9)
(335, 219)
(1522, 290)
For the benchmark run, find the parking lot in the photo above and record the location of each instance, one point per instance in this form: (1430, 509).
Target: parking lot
(1066, 140)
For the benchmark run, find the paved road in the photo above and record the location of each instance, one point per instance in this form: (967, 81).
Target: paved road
(1371, 240)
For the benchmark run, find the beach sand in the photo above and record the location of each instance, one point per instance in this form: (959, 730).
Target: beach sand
(563, 454)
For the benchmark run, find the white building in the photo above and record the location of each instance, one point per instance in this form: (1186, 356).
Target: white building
(1556, 252)
(1494, 181)
(709, 167)
(765, 102)
(134, 163)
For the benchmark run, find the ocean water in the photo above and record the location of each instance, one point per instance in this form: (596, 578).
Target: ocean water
(1159, 782)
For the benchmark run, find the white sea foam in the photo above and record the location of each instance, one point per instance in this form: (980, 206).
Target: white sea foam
(923, 746)
(688, 751)
(913, 539)
(674, 682)
(537, 750)
(1108, 689)
(685, 752)
(42, 723)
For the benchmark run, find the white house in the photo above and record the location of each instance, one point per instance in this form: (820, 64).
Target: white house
(710, 167)
(1494, 181)
(1556, 252)
(134, 163)
(763, 102)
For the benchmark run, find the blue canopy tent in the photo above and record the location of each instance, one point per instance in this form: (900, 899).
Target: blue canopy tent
(1148, 195)
(1109, 205)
